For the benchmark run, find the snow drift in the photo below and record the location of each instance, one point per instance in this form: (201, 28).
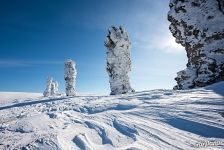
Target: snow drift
(157, 119)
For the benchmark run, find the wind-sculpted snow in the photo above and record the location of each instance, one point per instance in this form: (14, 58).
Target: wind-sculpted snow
(157, 119)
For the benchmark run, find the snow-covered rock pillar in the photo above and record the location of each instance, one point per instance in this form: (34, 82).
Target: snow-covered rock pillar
(70, 77)
(118, 60)
(198, 25)
(56, 87)
(53, 88)
(47, 91)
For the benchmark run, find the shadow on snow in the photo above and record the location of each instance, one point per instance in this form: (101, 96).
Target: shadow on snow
(196, 128)
(30, 103)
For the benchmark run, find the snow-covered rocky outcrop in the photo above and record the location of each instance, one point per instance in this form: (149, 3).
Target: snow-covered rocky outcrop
(51, 88)
(198, 25)
(70, 77)
(118, 60)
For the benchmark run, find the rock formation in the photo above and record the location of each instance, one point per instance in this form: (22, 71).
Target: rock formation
(70, 77)
(56, 87)
(198, 25)
(118, 60)
(47, 91)
(51, 88)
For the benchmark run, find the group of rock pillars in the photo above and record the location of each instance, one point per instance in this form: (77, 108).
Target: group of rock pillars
(118, 66)
(196, 25)
(70, 80)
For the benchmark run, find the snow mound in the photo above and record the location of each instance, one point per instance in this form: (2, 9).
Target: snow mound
(156, 119)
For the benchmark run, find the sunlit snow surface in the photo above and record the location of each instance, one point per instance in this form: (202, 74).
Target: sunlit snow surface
(157, 119)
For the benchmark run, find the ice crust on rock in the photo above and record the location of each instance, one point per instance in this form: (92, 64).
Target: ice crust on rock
(118, 60)
(70, 77)
(198, 25)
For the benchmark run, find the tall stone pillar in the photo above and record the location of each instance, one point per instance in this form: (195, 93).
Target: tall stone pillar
(118, 60)
(70, 77)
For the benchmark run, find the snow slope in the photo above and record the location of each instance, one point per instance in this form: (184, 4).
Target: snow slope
(13, 97)
(157, 119)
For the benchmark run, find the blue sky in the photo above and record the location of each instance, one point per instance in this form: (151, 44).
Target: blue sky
(36, 37)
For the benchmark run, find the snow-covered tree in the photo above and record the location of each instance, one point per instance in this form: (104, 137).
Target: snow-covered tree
(47, 91)
(118, 60)
(70, 77)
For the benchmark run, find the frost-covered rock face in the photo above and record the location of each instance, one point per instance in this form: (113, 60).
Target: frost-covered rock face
(118, 60)
(198, 25)
(70, 77)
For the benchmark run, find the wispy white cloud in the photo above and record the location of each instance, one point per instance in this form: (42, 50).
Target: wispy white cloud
(147, 26)
(27, 63)
(155, 35)
(163, 42)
